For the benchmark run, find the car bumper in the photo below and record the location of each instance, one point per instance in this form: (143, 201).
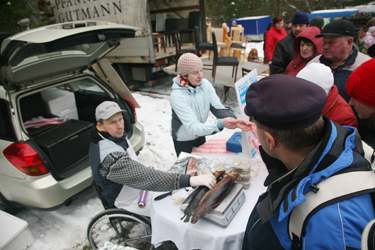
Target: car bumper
(45, 192)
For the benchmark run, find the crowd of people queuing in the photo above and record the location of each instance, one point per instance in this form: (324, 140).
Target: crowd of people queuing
(315, 118)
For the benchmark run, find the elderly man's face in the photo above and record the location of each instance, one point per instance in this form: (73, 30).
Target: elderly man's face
(336, 48)
(298, 28)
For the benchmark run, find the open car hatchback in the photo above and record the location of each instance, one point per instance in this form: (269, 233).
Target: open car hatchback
(52, 79)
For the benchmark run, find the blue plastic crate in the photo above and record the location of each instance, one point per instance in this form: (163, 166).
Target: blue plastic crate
(234, 143)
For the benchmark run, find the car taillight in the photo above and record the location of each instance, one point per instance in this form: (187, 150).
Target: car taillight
(26, 159)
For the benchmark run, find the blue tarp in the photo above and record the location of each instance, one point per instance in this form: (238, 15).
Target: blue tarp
(330, 15)
(254, 25)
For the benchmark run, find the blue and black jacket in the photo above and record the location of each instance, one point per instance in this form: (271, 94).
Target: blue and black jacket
(337, 226)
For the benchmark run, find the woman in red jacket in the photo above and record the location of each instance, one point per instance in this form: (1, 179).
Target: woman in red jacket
(306, 47)
(273, 36)
(336, 108)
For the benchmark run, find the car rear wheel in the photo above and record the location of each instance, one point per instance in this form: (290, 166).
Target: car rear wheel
(6, 206)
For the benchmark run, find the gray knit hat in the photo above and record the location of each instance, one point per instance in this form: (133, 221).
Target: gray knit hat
(189, 63)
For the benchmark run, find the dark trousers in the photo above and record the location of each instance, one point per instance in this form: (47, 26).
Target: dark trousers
(187, 146)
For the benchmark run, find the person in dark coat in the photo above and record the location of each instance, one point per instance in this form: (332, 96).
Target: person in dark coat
(288, 27)
(339, 52)
(318, 21)
(284, 51)
(306, 47)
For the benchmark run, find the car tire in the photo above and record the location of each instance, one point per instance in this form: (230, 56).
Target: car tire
(6, 206)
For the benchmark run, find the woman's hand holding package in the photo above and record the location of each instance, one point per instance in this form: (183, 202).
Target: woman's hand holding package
(207, 180)
(230, 122)
(244, 124)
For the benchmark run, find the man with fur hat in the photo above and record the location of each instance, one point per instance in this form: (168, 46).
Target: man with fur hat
(115, 167)
(304, 151)
(339, 52)
(284, 51)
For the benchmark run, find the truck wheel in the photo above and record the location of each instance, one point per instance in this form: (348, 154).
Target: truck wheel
(6, 206)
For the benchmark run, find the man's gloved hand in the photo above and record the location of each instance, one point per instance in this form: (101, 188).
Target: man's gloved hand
(207, 180)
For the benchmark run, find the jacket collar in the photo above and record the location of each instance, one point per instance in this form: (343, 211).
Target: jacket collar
(181, 84)
(98, 135)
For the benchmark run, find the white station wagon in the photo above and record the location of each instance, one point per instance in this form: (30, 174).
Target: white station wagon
(52, 79)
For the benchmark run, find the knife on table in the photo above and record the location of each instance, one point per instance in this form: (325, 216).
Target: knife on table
(159, 197)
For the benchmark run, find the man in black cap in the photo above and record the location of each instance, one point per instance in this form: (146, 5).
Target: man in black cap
(284, 51)
(339, 52)
(302, 150)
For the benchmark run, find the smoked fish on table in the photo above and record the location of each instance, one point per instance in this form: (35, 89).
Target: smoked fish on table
(215, 196)
(197, 196)
(192, 166)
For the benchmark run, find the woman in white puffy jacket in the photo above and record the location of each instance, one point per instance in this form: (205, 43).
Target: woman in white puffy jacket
(192, 98)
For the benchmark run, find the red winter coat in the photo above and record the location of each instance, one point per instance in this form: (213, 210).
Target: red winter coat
(273, 36)
(338, 110)
(298, 62)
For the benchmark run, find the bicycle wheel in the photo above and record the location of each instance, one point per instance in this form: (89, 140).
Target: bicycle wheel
(121, 228)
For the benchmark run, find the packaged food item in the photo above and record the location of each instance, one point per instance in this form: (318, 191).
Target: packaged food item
(241, 164)
(244, 178)
(224, 166)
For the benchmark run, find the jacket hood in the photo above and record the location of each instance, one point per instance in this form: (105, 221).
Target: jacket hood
(309, 33)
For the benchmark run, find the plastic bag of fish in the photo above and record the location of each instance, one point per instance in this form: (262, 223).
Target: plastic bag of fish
(194, 165)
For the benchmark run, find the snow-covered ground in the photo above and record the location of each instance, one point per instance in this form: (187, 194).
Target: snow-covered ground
(66, 227)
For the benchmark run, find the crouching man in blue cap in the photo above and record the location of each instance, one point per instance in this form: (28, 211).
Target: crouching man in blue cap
(319, 184)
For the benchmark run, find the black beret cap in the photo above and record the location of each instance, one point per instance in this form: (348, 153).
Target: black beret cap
(285, 102)
(339, 27)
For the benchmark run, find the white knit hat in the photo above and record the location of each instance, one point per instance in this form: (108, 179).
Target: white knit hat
(371, 29)
(189, 63)
(319, 74)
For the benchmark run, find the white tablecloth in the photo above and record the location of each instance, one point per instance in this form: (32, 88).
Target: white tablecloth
(205, 234)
